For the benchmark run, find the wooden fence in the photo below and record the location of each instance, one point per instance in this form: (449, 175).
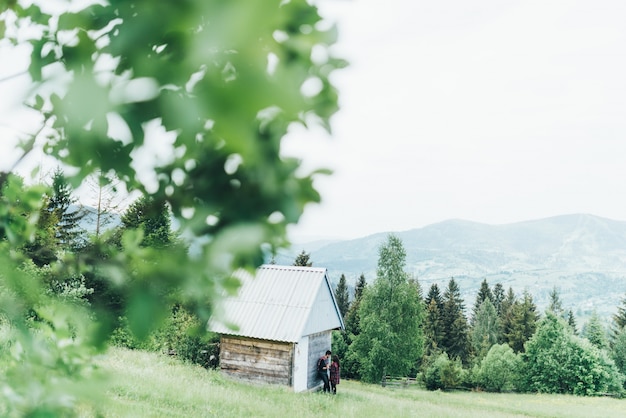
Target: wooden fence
(398, 381)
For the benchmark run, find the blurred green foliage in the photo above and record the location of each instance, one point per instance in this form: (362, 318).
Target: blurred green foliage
(222, 81)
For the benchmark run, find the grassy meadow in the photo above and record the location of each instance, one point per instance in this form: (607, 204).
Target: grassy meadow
(150, 385)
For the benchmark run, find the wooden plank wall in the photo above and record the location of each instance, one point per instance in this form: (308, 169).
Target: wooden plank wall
(257, 360)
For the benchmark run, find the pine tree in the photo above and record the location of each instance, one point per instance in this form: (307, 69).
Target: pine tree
(434, 328)
(619, 319)
(506, 314)
(571, 321)
(391, 313)
(342, 296)
(360, 287)
(523, 323)
(62, 204)
(486, 330)
(303, 260)
(484, 293)
(352, 320)
(498, 297)
(618, 350)
(595, 332)
(555, 305)
(456, 341)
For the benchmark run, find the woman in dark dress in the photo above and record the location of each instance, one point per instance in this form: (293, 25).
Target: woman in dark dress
(334, 374)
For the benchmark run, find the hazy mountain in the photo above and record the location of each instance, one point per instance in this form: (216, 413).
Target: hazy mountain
(584, 256)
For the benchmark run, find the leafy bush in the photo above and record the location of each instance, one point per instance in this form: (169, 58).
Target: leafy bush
(182, 335)
(499, 370)
(185, 336)
(444, 373)
(556, 361)
(122, 336)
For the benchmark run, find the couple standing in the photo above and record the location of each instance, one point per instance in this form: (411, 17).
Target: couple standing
(323, 366)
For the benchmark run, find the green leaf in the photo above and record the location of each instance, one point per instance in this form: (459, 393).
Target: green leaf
(70, 21)
(145, 313)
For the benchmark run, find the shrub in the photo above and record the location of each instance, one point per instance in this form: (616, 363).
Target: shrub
(186, 336)
(123, 337)
(556, 361)
(499, 370)
(444, 373)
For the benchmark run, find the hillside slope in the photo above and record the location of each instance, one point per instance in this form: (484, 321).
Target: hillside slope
(584, 256)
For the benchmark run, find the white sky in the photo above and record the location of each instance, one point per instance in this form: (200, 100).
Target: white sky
(494, 111)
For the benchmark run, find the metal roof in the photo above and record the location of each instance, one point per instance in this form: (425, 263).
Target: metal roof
(280, 303)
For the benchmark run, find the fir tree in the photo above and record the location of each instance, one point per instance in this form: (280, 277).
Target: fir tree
(498, 297)
(303, 260)
(360, 287)
(456, 340)
(484, 293)
(352, 320)
(434, 328)
(342, 296)
(506, 314)
(618, 350)
(523, 323)
(62, 204)
(486, 330)
(619, 319)
(595, 332)
(555, 305)
(571, 321)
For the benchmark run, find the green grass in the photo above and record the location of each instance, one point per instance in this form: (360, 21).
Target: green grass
(149, 385)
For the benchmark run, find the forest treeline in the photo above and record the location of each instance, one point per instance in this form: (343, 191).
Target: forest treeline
(501, 343)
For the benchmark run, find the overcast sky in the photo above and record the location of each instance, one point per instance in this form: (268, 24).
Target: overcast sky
(488, 110)
(494, 111)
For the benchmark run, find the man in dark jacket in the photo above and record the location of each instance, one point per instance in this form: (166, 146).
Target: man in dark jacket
(322, 370)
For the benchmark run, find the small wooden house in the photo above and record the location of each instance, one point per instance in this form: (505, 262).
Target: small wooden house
(284, 318)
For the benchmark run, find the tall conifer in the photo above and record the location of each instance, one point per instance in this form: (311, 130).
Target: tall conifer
(486, 329)
(498, 297)
(63, 206)
(303, 260)
(523, 322)
(434, 327)
(456, 341)
(484, 293)
(619, 319)
(342, 296)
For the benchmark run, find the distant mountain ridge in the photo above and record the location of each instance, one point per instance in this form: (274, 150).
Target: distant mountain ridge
(583, 255)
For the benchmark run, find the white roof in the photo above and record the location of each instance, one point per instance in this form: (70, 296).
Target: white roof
(281, 303)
